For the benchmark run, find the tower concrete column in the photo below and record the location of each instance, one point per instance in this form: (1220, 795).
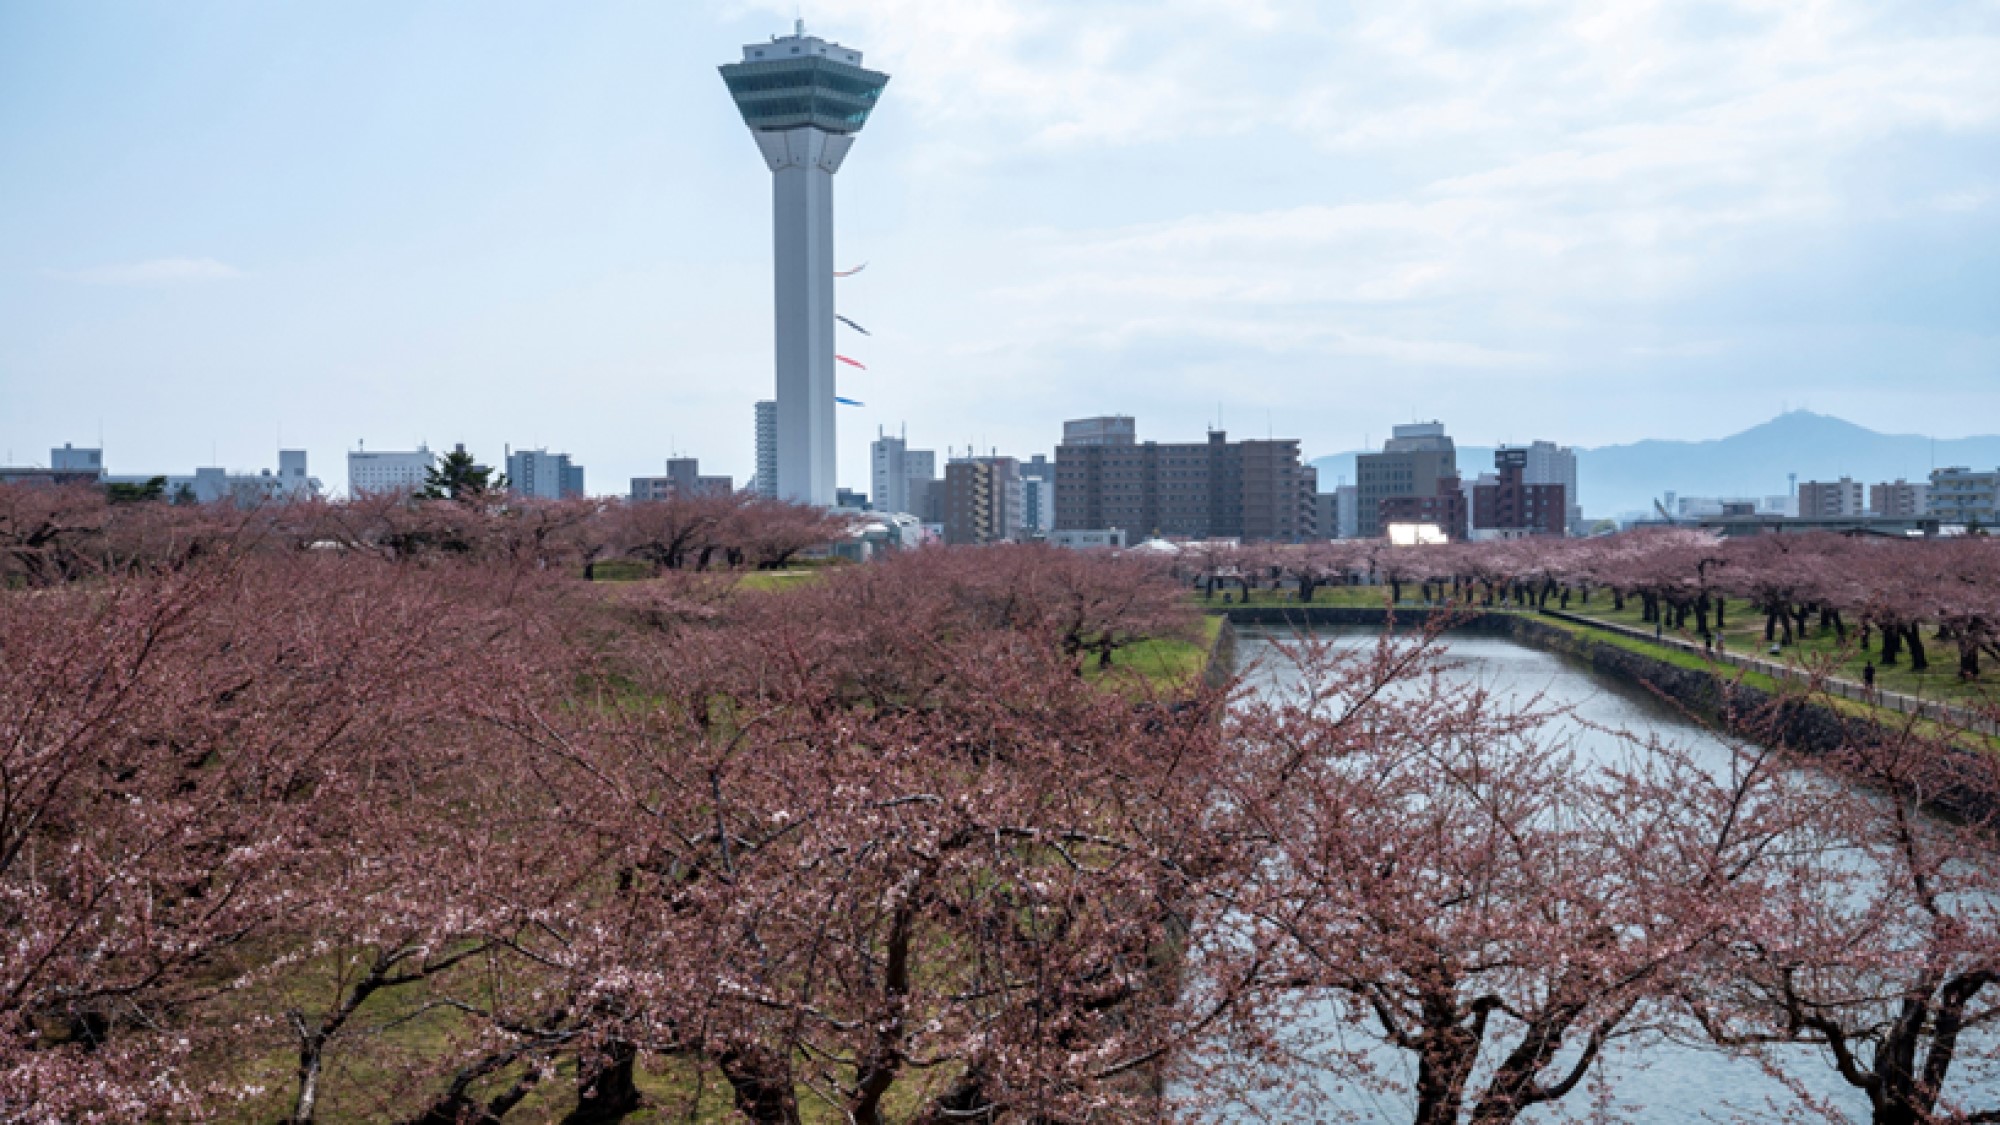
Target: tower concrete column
(804, 99)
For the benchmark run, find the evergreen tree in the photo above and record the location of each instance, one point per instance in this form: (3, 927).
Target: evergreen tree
(136, 493)
(457, 476)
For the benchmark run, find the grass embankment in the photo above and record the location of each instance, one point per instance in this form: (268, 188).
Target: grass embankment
(1166, 665)
(1163, 665)
(1340, 597)
(777, 579)
(1744, 635)
(635, 570)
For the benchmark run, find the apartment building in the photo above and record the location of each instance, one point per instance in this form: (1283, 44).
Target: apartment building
(1963, 496)
(1217, 489)
(1836, 499)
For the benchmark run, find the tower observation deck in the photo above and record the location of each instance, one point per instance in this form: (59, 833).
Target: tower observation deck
(804, 100)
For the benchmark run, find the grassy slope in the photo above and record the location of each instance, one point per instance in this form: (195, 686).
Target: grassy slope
(1163, 665)
(1745, 634)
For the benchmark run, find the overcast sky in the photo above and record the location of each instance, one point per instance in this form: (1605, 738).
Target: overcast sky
(223, 224)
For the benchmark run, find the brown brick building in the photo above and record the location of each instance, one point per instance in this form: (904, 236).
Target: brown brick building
(1512, 508)
(1444, 508)
(1218, 489)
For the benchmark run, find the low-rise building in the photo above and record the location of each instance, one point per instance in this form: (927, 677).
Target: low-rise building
(683, 478)
(1965, 496)
(381, 470)
(1832, 499)
(68, 465)
(1899, 499)
(1082, 540)
(214, 484)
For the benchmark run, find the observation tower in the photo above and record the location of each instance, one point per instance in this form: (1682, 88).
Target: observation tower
(804, 100)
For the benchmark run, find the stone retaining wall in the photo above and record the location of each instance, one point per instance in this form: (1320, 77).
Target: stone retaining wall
(1805, 725)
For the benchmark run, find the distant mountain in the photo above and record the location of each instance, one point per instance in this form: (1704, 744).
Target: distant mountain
(1621, 478)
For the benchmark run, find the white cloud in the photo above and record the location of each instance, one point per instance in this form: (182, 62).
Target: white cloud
(158, 271)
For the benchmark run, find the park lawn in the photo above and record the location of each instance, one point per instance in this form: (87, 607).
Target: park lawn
(1762, 682)
(1346, 597)
(777, 579)
(1744, 634)
(636, 570)
(620, 570)
(1162, 665)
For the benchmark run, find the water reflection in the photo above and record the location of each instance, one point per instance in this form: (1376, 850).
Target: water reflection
(1650, 1079)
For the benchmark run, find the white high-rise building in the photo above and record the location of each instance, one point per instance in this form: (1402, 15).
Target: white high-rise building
(765, 483)
(898, 474)
(804, 100)
(377, 470)
(1549, 463)
(1038, 495)
(543, 475)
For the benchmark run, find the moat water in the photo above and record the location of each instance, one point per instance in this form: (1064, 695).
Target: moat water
(1647, 1080)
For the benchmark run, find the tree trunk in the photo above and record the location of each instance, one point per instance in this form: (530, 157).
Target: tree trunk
(763, 1088)
(1442, 1070)
(1918, 661)
(605, 1090)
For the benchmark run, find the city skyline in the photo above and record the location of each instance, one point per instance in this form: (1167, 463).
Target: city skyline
(406, 226)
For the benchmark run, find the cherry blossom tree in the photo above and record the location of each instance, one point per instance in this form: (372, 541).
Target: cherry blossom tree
(1877, 937)
(1459, 885)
